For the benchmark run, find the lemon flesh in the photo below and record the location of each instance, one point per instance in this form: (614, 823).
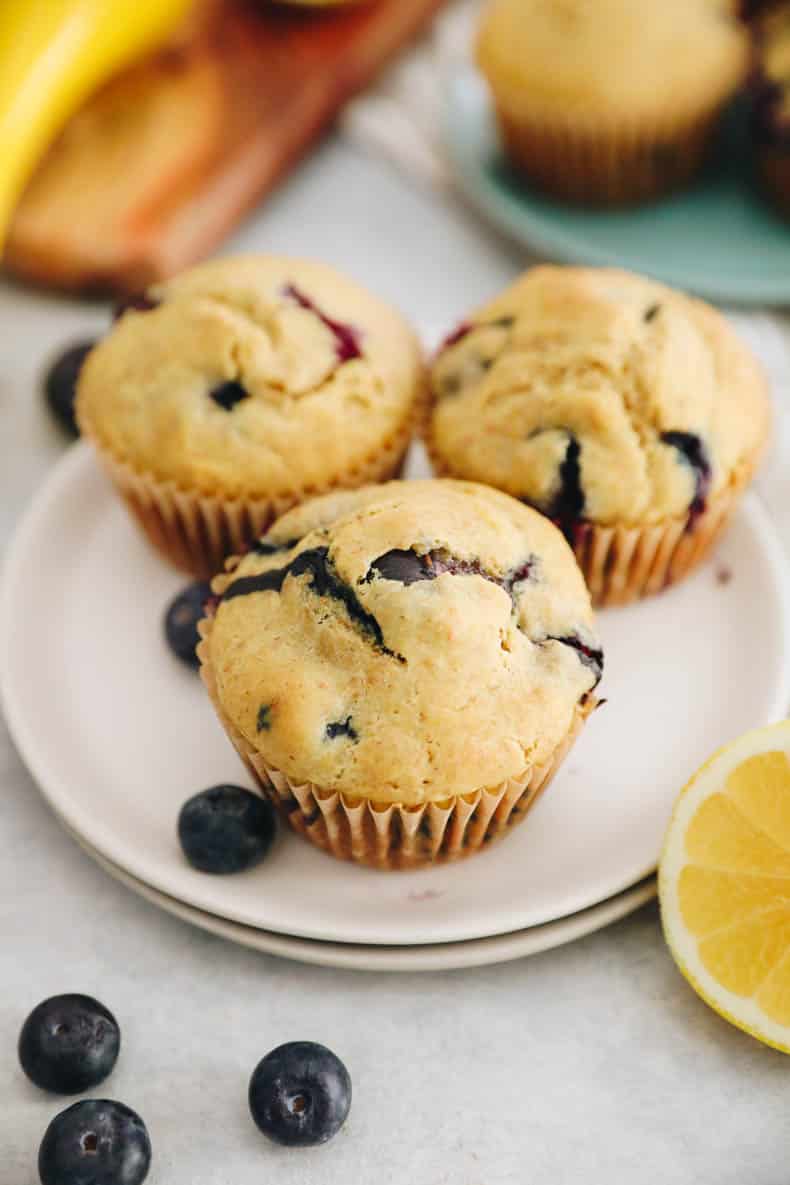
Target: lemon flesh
(724, 883)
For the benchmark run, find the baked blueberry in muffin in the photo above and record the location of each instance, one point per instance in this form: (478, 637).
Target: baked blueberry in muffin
(403, 666)
(628, 413)
(242, 387)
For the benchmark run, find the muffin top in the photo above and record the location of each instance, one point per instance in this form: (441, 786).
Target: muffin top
(404, 642)
(252, 376)
(614, 58)
(597, 395)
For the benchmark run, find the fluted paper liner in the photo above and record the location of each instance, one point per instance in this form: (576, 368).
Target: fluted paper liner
(621, 564)
(608, 164)
(197, 531)
(395, 835)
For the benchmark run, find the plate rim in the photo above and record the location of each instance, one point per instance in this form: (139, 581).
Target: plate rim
(460, 955)
(501, 213)
(54, 789)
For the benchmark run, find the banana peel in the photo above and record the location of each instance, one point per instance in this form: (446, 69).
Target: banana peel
(53, 55)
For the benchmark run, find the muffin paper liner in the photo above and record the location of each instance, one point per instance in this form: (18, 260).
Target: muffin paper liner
(392, 836)
(197, 531)
(611, 165)
(621, 564)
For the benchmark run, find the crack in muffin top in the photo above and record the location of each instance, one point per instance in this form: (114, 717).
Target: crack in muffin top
(598, 395)
(408, 642)
(252, 376)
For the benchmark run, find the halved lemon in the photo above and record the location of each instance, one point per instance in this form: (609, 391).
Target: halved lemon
(724, 883)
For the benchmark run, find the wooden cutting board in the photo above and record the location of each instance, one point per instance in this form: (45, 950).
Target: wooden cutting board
(164, 162)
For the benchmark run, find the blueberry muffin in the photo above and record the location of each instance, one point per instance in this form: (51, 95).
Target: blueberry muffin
(403, 667)
(240, 388)
(629, 413)
(771, 105)
(614, 101)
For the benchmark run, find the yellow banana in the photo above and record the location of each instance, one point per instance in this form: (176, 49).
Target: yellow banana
(53, 55)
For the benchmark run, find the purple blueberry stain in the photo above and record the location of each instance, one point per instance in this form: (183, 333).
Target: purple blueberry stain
(409, 566)
(263, 721)
(138, 302)
(347, 338)
(475, 366)
(589, 656)
(457, 335)
(692, 449)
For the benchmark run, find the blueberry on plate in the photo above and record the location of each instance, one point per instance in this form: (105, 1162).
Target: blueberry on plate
(181, 620)
(226, 829)
(69, 1043)
(95, 1142)
(300, 1094)
(60, 384)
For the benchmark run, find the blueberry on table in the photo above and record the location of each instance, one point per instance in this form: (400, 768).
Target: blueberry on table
(181, 621)
(69, 1043)
(95, 1142)
(226, 829)
(60, 384)
(300, 1094)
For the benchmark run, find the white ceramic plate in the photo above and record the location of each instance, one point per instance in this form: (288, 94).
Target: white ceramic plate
(118, 733)
(443, 956)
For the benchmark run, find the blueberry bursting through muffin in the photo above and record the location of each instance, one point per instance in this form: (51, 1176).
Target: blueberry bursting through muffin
(404, 566)
(227, 395)
(567, 506)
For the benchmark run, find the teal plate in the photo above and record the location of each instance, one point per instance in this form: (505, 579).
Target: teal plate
(719, 238)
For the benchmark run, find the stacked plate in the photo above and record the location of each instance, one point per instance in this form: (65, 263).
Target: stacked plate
(118, 734)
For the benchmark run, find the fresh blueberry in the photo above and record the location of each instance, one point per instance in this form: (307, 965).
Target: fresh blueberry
(69, 1043)
(95, 1142)
(181, 621)
(226, 829)
(60, 384)
(300, 1094)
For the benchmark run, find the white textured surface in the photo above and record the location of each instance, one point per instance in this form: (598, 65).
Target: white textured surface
(591, 1064)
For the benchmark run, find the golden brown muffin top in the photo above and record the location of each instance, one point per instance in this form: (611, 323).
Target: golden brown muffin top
(612, 58)
(252, 376)
(598, 395)
(405, 642)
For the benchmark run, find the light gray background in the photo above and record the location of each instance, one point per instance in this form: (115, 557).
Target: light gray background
(594, 1063)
